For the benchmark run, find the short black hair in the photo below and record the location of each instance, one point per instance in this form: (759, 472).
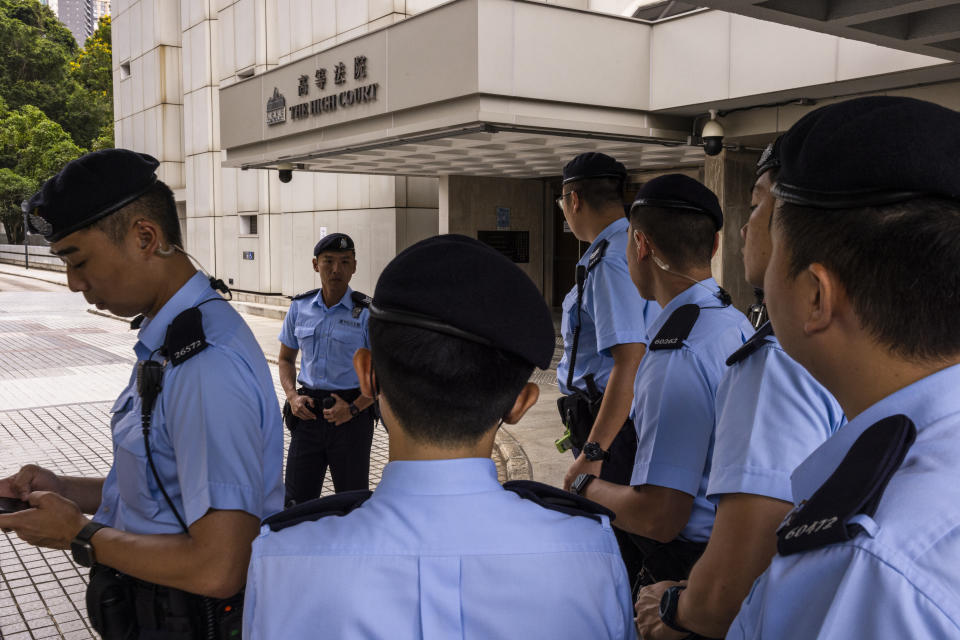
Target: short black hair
(157, 204)
(444, 390)
(897, 262)
(599, 193)
(684, 237)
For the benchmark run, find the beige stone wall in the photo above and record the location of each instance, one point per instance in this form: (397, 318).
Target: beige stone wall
(471, 206)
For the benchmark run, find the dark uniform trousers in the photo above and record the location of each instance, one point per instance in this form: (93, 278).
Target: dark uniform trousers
(317, 444)
(619, 469)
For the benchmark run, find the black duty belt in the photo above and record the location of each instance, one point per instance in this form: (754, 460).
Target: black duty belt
(348, 395)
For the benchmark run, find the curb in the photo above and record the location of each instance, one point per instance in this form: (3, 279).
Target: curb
(515, 461)
(30, 276)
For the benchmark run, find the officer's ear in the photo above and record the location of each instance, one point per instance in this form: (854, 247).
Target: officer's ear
(527, 397)
(363, 365)
(823, 298)
(145, 236)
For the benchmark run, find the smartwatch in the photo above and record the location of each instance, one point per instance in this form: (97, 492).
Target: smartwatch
(668, 607)
(354, 411)
(593, 452)
(580, 483)
(81, 548)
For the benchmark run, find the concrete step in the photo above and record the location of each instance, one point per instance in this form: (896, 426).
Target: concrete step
(273, 311)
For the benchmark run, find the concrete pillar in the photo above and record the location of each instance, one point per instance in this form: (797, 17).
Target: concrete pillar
(730, 175)
(469, 204)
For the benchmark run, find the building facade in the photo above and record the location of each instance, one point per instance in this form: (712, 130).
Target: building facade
(399, 119)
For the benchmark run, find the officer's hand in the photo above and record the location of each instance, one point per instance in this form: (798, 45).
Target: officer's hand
(30, 478)
(581, 465)
(53, 521)
(647, 608)
(339, 413)
(301, 405)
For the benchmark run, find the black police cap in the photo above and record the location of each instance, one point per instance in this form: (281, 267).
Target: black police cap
(334, 242)
(593, 165)
(458, 286)
(88, 189)
(677, 191)
(870, 151)
(770, 158)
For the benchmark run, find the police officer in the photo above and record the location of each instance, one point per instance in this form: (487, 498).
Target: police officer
(604, 322)
(198, 443)
(862, 290)
(440, 549)
(771, 414)
(329, 418)
(674, 225)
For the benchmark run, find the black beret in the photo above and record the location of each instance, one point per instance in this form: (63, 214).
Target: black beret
(459, 286)
(870, 151)
(770, 158)
(593, 165)
(334, 242)
(677, 191)
(89, 188)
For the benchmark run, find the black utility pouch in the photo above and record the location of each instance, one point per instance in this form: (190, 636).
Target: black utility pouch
(110, 605)
(288, 418)
(578, 412)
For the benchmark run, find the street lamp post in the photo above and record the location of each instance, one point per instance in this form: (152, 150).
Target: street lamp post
(26, 251)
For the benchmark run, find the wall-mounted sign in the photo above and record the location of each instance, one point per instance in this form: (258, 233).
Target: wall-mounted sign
(503, 218)
(276, 108)
(513, 244)
(248, 255)
(343, 98)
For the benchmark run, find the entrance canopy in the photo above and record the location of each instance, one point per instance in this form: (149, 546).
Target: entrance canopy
(476, 87)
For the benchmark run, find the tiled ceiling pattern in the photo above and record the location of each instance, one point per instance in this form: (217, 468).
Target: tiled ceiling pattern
(929, 27)
(502, 153)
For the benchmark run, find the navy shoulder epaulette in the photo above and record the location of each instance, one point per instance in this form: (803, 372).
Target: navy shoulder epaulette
(306, 294)
(360, 301)
(752, 345)
(339, 504)
(854, 488)
(598, 254)
(676, 329)
(185, 337)
(558, 500)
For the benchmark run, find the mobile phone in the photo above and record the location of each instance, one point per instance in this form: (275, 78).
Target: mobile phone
(11, 505)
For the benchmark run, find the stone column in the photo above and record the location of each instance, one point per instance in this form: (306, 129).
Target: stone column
(730, 175)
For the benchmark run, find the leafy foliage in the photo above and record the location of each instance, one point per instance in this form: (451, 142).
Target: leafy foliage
(56, 101)
(32, 148)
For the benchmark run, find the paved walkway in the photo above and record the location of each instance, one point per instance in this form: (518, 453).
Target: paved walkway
(60, 370)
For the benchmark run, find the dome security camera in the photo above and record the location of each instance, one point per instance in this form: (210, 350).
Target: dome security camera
(712, 136)
(285, 172)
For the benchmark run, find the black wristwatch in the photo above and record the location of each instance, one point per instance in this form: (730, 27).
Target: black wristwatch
(354, 411)
(668, 607)
(81, 548)
(593, 452)
(580, 483)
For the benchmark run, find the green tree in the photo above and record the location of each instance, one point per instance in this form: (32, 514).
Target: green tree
(35, 49)
(43, 67)
(32, 148)
(89, 114)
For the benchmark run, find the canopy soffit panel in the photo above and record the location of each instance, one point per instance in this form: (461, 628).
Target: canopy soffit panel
(928, 27)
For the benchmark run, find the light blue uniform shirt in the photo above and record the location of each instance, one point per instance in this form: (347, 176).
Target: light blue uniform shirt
(328, 338)
(771, 414)
(674, 402)
(216, 436)
(901, 577)
(613, 312)
(440, 551)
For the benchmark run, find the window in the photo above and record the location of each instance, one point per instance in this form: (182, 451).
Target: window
(248, 225)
